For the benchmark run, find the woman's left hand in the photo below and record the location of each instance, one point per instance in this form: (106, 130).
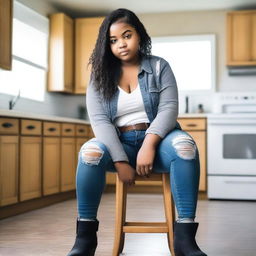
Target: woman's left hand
(145, 160)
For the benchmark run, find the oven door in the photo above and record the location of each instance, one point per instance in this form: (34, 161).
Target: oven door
(231, 146)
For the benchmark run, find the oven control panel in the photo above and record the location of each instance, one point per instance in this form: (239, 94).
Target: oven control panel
(234, 103)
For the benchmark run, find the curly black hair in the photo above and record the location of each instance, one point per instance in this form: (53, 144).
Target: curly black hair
(106, 68)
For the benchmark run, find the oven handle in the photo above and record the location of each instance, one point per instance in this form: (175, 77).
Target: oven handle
(239, 182)
(231, 122)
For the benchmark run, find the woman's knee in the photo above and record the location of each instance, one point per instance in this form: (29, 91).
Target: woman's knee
(92, 152)
(183, 145)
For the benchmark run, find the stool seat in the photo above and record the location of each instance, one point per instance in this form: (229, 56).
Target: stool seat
(122, 226)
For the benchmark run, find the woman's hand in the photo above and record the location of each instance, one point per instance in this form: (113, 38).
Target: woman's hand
(145, 160)
(126, 172)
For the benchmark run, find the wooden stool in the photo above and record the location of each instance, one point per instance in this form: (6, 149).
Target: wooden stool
(122, 227)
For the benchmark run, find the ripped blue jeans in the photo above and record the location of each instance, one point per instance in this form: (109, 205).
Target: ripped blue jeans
(176, 154)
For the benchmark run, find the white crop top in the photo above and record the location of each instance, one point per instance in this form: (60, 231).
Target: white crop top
(130, 108)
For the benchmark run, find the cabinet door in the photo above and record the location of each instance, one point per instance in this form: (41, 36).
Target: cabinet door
(51, 166)
(30, 167)
(241, 38)
(253, 53)
(6, 34)
(86, 33)
(68, 168)
(9, 149)
(61, 54)
(200, 139)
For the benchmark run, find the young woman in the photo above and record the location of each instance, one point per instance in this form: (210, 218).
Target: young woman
(132, 103)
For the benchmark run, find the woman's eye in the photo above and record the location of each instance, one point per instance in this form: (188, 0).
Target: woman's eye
(128, 36)
(112, 41)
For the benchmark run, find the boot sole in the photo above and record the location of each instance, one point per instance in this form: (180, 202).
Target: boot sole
(92, 253)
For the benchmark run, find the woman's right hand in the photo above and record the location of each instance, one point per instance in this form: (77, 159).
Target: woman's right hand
(126, 172)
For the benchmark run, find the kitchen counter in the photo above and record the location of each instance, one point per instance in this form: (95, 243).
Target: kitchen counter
(11, 113)
(193, 115)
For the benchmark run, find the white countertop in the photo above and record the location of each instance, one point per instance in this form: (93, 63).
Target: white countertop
(20, 114)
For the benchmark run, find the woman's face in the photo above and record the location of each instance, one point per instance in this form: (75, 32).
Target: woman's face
(124, 41)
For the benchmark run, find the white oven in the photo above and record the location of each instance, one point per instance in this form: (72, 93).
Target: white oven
(231, 151)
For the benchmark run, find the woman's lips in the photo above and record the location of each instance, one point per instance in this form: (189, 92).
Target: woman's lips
(123, 53)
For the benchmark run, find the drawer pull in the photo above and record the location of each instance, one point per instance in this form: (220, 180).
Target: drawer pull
(81, 130)
(191, 125)
(7, 125)
(30, 127)
(68, 130)
(51, 129)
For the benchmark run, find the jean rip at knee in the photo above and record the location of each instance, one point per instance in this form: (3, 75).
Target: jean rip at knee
(185, 147)
(91, 154)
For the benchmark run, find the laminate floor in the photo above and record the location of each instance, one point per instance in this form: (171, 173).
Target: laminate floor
(227, 228)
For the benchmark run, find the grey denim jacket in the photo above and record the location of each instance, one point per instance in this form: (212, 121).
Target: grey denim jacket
(160, 97)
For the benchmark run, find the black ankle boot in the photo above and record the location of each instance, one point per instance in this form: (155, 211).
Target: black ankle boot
(86, 238)
(184, 240)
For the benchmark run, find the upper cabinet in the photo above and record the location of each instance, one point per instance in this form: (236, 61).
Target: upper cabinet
(71, 45)
(241, 38)
(61, 54)
(6, 7)
(86, 33)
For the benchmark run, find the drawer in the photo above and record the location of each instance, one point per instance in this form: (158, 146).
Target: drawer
(51, 129)
(9, 126)
(31, 127)
(191, 124)
(68, 130)
(81, 130)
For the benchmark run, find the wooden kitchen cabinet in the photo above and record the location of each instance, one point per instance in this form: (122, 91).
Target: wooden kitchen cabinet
(9, 160)
(196, 127)
(9, 157)
(38, 160)
(68, 160)
(51, 158)
(61, 54)
(68, 167)
(86, 33)
(30, 167)
(6, 14)
(241, 38)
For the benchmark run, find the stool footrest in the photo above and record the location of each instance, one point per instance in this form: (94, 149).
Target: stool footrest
(145, 227)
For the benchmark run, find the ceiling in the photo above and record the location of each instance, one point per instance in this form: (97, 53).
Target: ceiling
(78, 8)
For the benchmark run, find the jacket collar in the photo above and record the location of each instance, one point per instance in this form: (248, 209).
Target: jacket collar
(145, 64)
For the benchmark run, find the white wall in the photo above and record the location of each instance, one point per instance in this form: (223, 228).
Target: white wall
(201, 22)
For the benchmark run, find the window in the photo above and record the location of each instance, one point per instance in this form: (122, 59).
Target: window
(30, 46)
(192, 59)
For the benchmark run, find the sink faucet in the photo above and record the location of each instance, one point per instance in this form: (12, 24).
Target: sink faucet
(13, 101)
(187, 105)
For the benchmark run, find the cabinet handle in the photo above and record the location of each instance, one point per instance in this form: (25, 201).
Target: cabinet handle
(68, 130)
(51, 129)
(7, 125)
(191, 125)
(30, 127)
(81, 130)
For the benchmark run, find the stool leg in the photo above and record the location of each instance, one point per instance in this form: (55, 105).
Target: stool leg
(121, 196)
(169, 210)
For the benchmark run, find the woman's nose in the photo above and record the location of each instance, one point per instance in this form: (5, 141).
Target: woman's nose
(122, 43)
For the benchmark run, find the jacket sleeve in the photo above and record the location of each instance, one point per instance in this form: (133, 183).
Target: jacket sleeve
(102, 126)
(167, 113)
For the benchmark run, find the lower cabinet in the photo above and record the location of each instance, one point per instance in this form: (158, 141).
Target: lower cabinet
(9, 155)
(68, 161)
(51, 165)
(30, 167)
